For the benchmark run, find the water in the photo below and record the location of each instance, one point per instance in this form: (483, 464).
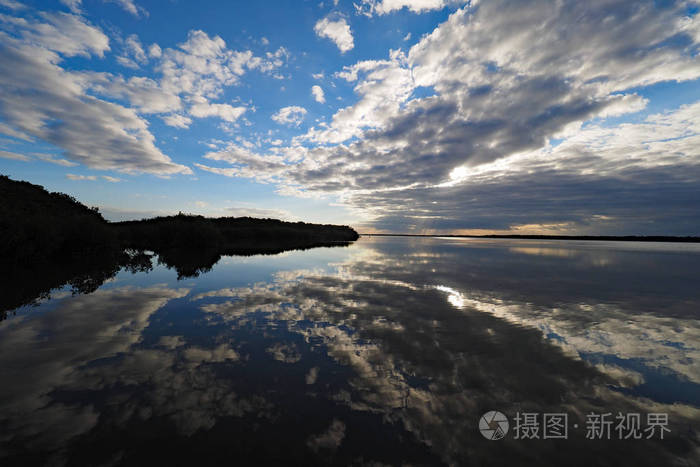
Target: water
(385, 352)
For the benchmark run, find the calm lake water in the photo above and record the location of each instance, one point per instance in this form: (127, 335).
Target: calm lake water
(388, 351)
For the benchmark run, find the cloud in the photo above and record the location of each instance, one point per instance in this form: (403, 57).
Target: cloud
(13, 156)
(127, 5)
(312, 375)
(41, 99)
(246, 163)
(286, 353)
(383, 7)
(144, 94)
(177, 121)
(9, 131)
(201, 67)
(81, 177)
(248, 211)
(498, 80)
(650, 169)
(53, 160)
(111, 179)
(292, 115)
(330, 439)
(338, 31)
(41, 156)
(390, 356)
(100, 114)
(73, 5)
(130, 7)
(64, 33)
(317, 92)
(223, 111)
(134, 54)
(79, 336)
(385, 87)
(12, 4)
(154, 51)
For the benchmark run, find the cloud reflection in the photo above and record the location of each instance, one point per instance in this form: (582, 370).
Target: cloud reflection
(404, 340)
(432, 356)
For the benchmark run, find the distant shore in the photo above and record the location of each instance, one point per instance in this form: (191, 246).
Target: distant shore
(38, 226)
(609, 238)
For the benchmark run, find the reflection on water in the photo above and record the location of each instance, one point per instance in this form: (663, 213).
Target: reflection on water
(385, 352)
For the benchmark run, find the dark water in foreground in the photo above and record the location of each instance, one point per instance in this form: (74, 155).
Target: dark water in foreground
(385, 352)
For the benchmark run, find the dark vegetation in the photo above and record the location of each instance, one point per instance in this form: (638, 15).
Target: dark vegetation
(48, 240)
(229, 235)
(37, 225)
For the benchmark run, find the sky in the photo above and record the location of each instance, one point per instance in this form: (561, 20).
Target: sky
(407, 116)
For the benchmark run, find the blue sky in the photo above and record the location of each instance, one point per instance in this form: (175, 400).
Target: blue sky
(427, 116)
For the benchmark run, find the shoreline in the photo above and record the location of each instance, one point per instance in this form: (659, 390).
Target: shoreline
(605, 238)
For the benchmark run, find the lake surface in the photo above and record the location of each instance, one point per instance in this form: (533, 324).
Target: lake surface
(385, 352)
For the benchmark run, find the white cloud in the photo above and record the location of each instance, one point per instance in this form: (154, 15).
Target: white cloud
(292, 115)
(111, 179)
(130, 7)
(273, 60)
(248, 164)
(154, 51)
(317, 92)
(479, 110)
(9, 131)
(177, 121)
(385, 87)
(81, 177)
(53, 160)
(127, 62)
(13, 156)
(225, 112)
(383, 7)
(407, 37)
(37, 92)
(260, 213)
(73, 5)
(191, 76)
(133, 53)
(338, 31)
(142, 93)
(65, 33)
(201, 67)
(487, 85)
(12, 4)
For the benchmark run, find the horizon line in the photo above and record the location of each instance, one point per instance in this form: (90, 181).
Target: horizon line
(639, 238)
